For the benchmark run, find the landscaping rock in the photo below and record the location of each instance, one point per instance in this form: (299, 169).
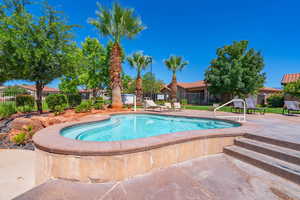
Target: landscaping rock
(19, 123)
(46, 121)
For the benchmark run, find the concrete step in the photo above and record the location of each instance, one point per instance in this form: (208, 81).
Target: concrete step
(282, 153)
(274, 141)
(276, 166)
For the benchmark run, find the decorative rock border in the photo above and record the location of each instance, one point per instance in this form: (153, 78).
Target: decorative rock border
(88, 161)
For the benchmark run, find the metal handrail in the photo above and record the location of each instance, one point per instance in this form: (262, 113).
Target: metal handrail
(238, 117)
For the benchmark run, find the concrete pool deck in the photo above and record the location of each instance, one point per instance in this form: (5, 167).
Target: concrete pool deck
(222, 172)
(216, 177)
(16, 172)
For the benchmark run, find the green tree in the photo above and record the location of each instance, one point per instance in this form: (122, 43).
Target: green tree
(94, 74)
(293, 88)
(88, 69)
(69, 82)
(237, 71)
(174, 64)
(41, 53)
(127, 84)
(117, 23)
(151, 85)
(140, 62)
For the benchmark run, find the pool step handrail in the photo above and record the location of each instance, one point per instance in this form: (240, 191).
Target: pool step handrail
(239, 118)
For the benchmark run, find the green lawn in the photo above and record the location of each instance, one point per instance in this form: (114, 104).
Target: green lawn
(228, 109)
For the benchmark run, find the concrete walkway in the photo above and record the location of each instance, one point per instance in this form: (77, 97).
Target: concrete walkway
(16, 172)
(278, 126)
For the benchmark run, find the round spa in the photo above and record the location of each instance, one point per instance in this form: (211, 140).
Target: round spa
(104, 148)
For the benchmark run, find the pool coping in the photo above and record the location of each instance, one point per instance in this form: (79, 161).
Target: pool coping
(50, 140)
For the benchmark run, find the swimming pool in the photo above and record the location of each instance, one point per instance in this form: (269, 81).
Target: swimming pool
(134, 126)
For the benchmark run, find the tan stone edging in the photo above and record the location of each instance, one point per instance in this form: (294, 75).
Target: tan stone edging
(50, 140)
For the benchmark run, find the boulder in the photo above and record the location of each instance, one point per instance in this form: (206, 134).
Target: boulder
(47, 121)
(19, 123)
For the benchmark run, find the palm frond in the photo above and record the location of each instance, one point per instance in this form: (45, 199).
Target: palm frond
(175, 63)
(139, 61)
(117, 22)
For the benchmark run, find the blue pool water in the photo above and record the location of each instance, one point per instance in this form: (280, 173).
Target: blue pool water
(132, 126)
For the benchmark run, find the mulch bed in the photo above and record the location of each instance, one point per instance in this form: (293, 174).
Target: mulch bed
(5, 128)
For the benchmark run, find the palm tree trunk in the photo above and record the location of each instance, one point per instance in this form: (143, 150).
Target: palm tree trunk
(115, 76)
(174, 88)
(138, 90)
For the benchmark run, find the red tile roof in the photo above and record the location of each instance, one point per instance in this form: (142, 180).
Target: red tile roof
(197, 84)
(46, 88)
(268, 89)
(288, 78)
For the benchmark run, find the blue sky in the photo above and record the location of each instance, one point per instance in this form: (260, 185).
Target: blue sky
(195, 29)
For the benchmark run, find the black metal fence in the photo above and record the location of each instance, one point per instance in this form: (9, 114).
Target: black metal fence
(191, 98)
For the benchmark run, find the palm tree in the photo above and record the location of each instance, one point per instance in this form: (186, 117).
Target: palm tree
(174, 64)
(139, 61)
(116, 23)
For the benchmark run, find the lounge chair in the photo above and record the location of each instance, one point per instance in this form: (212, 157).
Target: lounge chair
(150, 105)
(237, 106)
(168, 106)
(177, 106)
(291, 106)
(251, 106)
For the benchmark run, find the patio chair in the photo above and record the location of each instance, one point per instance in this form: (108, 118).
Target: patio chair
(168, 106)
(237, 106)
(251, 106)
(291, 106)
(150, 105)
(177, 106)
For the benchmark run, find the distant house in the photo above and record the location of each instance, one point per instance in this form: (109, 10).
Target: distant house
(194, 92)
(46, 91)
(265, 92)
(290, 78)
(197, 92)
(88, 93)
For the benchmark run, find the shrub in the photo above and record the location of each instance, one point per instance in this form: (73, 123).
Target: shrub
(98, 106)
(107, 102)
(56, 102)
(7, 110)
(25, 102)
(85, 106)
(59, 109)
(74, 100)
(20, 138)
(29, 131)
(275, 100)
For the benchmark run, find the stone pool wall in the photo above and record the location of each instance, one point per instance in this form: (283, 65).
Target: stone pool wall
(119, 167)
